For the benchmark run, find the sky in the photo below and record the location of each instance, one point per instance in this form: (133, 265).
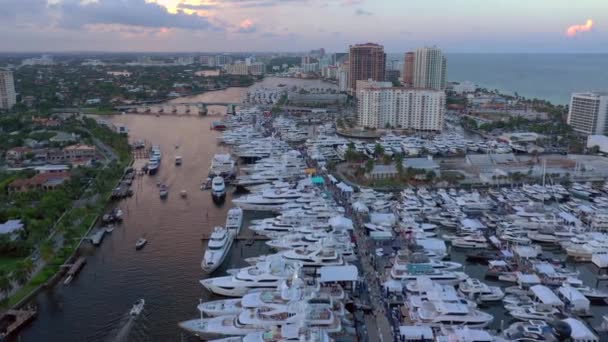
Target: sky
(487, 26)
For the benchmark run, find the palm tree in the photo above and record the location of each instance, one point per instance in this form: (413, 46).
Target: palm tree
(369, 165)
(5, 283)
(47, 251)
(20, 274)
(399, 165)
(378, 150)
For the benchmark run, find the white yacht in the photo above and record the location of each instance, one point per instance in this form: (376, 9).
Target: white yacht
(415, 271)
(471, 242)
(439, 313)
(234, 220)
(218, 188)
(475, 289)
(218, 247)
(268, 200)
(138, 307)
(222, 165)
(265, 275)
(317, 255)
(535, 312)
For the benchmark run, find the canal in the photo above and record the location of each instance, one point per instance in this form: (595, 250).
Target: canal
(166, 272)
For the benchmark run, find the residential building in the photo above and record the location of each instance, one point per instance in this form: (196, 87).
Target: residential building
(430, 68)
(79, 152)
(330, 72)
(367, 61)
(12, 229)
(41, 181)
(8, 96)
(221, 60)
(392, 75)
(207, 60)
(408, 69)
(257, 68)
(17, 153)
(343, 77)
(407, 108)
(237, 69)
(588, 112)
(310, 67)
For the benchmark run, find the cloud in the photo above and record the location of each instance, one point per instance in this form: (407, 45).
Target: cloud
(576, 29)
(363, 12)
(246, 26)
(75, 14)
(351, 2)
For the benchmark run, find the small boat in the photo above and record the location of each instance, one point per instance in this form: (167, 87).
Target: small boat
(218, 188)
(138, 307)
(207, 184)
(234, 220)
(183, 193)
(178, 160)
(163, 191)
(141, 242)
(109, 229)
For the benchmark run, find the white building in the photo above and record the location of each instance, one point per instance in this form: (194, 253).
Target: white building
(464, 87)
(417, 109)
(310, 67)
(8, 96)
(430, 68)
(343, 78)
(588, 113)
(237, 69)
(257, 68)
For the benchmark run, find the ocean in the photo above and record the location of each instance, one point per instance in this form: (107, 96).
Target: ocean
(552, 77)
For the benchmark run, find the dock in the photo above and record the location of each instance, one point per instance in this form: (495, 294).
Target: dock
(12, 321)
(74, 269)
(207, 236)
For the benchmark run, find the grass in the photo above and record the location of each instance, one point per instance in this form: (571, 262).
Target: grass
(8, 264)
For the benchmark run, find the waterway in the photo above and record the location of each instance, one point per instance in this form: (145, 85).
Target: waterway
(166, 272)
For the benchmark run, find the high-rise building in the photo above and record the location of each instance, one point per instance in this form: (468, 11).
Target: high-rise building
(588, 113)
(221, 60)
(239, 68)
(343, 77)
(430, 68)
(406, 108)
(257, 68)
(408, 69)
(367, 61)
(8, 97)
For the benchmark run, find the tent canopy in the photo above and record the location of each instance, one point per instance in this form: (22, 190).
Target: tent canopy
(338, 273)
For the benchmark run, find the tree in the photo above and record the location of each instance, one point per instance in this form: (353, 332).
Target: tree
(369, 166)
(378, 150)
(20, 274)
(430, 175)
(399, 165)
(47, 251)
(5, 283)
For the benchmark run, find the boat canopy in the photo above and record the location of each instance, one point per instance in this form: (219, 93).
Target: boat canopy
(338, 273)
(416, 332)
(318, 180)
(579, 331)
(546, 296)
(574, 297)
(341, 222)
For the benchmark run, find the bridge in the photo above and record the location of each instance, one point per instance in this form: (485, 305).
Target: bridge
(178, 108)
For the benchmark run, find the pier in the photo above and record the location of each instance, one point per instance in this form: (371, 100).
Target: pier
(12, 321)
(74, 269)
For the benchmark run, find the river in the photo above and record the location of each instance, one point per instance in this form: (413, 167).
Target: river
(166, 273)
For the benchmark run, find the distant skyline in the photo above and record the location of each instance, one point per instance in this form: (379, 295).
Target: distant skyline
(487, 26)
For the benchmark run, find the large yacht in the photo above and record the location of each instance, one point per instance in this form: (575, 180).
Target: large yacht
(317, 255)
(218, 188)
(439, 313)
(222, 165)
(475, 289)
(265, 275)
(415, 271)
(219, 245)
(268, 200)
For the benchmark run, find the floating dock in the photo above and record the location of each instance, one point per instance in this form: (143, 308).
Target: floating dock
(74, 269)
(12, 321)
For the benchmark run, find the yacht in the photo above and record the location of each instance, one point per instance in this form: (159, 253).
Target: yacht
(234, 220)
(416, 271)
(317, 255)
(163, 191)
(269, 200)
(138, 307)
(218, 188)
(222, 165)
(473, 288)
(589, 292)
(218, 247)
(471, 242)
(265, 275)
(153, 166)
(141, 242)
(286, 333)
(178, 160)
(439, 313)
(535, 312)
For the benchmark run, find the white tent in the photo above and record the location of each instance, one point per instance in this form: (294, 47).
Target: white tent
(580, 304)
(393, 285)
(360, 207)
(545, 296)
(341, 222)
(338, 273)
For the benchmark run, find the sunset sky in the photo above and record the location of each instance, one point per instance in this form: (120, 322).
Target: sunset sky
(297, 25)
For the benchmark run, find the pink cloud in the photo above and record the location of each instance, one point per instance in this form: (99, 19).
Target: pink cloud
(576, 29)
(246, 26)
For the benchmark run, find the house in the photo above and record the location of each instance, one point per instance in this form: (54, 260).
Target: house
(46, 122)
(17, 153)
(42, 181)
(79, 152)
(64, 138)
(11, 228)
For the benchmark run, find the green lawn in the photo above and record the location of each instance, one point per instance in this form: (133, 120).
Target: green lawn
(8, 264)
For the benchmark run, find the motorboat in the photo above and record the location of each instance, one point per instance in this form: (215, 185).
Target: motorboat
(265, 275)
(416, 271)
(153, 166)
(471, 242)
(220, 241)
(439, 313)
(183, 193)
(475, 289)
(222, 165)
(141, 242)
(218, 188)
(138, 307)
(589, 292)
(163, 191)
(178, 160)
(234, 220)
(536, 312)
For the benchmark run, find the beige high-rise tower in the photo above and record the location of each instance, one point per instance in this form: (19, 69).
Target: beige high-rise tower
(430, 68)
(8, 97)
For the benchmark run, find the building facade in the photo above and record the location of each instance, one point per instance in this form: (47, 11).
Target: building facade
(429, 68)
(8, 96)
(588, 111)
(257, 68)
(408, 69)
(406, 108)
(237, 69)
(343, 77)
(366, 61)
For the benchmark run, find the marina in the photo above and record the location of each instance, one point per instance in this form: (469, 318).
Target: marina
(350, 262)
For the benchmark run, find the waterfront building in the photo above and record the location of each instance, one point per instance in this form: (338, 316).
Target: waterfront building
(237, 69)
(207, 60)
(425, 68)
(588, 112)
(221, 60)
(367, 61)
(310, 67)
(257, 68)
(407, 108)
(408, 69)
(8, 96)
